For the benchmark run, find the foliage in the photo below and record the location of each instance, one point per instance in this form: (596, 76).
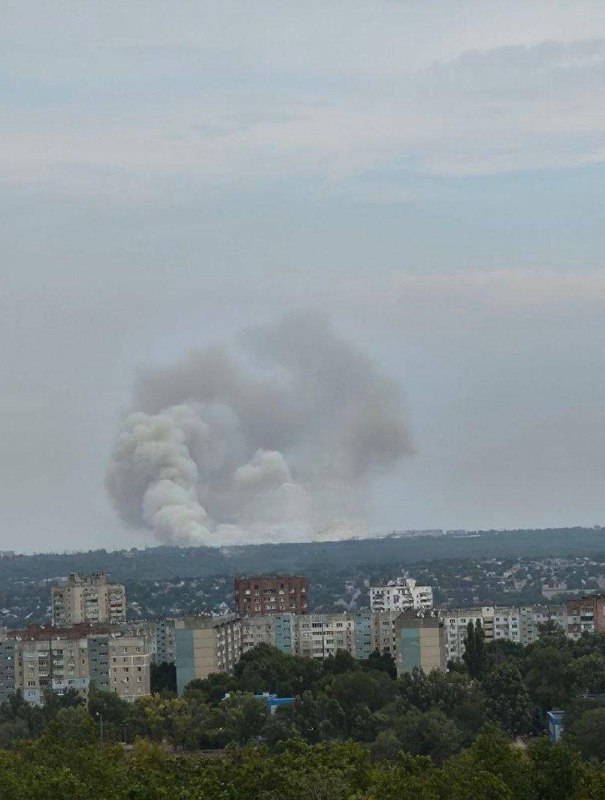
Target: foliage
(354, 731)
(507, 699)
(475, 656)
(492, 769)
(163, 677)
(589, 734)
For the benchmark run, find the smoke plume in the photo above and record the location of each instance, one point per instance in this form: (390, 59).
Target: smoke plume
(275, 439)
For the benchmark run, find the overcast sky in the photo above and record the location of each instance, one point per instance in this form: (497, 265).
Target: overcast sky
(429, 174)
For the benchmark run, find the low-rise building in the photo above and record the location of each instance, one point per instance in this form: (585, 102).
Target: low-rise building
(205, 645)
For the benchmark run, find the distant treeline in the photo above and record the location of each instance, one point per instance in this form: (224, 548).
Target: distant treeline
(167, 562)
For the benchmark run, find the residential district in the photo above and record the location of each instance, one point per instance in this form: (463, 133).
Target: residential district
(91, 642)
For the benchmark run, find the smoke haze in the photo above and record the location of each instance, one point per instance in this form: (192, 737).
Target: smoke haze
(274, 439)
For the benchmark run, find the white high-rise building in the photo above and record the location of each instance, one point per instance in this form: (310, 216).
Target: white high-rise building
(402, 594)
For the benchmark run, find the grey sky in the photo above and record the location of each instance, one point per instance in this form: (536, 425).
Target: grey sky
(429, 174)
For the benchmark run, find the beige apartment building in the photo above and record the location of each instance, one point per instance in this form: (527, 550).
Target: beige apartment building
(39, 659)
(88, 599)
(205, 645)
(129, 673)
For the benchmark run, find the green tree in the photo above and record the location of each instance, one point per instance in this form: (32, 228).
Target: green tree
(246, 717)
(558, 769)
(589, 734)
(428, 733)
(381, 662)
(342, 661)
(371, 689)
(507, 701)
(212, 689)
(587, 673)
(475, 656)
(551, 634)
(307, 717)
(111, 711)
(546, 674)
(267, 669)
(493, 753)
(163, 677)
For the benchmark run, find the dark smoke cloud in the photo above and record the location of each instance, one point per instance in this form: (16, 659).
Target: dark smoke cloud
(274, 439)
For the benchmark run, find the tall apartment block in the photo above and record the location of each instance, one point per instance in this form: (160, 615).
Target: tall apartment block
(163, 645)
(321, 635)
(402, 594)
(585, 615)
(161, 636)
(420, 643)
(205, 645)
(39, 659)
(505, 622)
(88, 599)
(261, 596)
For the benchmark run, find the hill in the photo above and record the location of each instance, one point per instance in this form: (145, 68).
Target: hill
(157, 563)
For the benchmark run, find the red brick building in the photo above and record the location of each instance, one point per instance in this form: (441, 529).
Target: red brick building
(586, 614)
(282, 594)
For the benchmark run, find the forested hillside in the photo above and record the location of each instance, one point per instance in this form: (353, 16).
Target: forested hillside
(305, 557)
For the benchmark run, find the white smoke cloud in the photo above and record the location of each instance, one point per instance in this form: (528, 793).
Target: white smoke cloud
(275, 440)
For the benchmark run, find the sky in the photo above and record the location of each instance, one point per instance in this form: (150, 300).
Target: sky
(427, 174)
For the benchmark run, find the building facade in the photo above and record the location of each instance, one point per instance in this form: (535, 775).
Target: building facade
(205, 645)
(163, 645)
(585, 615)
(402, 594)
(129, 672)
(321, 635)
(37, 660)
(161, 636)
(88, 599)
(515, 624)
(262, 596)
(420, 643)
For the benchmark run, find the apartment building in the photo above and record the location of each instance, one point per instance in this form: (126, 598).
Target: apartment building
(129, 660)
(532, 617)
(262, 596)
(420, 643)
(499, 622)
(321, 635)
(383, 631)
(88, 599)
(262, 630)
(39, 659)
(163, 644)
(401, 594)
(161, 636)
(205, 645)
(585, 615)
